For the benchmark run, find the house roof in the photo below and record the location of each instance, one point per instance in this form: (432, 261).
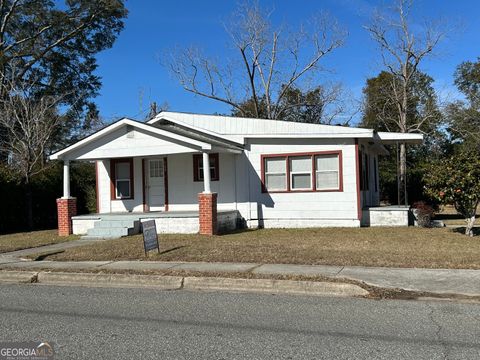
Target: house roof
(238, 129)
(252, 127)
(200, 132)
(196, 143)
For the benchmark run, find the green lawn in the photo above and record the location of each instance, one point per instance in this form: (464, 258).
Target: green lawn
(395, 247)
(24, 240)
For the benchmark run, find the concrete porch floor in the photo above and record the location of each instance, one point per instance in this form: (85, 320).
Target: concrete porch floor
(146, 215)
(114, 225)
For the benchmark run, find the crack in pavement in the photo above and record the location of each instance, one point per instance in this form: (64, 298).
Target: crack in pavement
(438, 332)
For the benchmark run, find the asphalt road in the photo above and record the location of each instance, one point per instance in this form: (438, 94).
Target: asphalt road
(99, 323)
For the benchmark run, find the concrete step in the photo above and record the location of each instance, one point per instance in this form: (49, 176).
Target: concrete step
(108, 232)
(107, 223)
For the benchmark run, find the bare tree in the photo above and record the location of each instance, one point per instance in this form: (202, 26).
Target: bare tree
(403, 49)
(270, 63)
(28, 122)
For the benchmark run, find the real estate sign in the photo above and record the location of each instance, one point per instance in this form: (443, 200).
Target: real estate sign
(150, 237)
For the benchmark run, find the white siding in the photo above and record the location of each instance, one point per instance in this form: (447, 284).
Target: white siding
(103, 195)
(183, 191)
(239, 187)
(120, 144)
(105, 202)
(334, 206)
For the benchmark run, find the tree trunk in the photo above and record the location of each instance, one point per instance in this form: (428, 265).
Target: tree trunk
(402, 177)
(469, 228)
(28, 205)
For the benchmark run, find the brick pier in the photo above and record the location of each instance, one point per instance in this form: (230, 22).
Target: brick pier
(207, 214)
(66, 208)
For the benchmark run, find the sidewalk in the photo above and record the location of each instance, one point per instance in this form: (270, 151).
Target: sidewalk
(439, 281)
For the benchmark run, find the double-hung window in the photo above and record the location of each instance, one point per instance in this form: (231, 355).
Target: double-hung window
(327, 172)
(276, 173)
(122, 178)
(300, 172)
(198, 167)
(318, 171)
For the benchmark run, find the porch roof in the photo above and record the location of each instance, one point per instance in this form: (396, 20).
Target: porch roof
(130, 138)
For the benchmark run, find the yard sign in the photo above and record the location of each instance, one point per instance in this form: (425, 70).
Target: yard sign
(150, 237)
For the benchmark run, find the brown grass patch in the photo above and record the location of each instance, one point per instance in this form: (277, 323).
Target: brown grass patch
(25, 240)
(393, 247)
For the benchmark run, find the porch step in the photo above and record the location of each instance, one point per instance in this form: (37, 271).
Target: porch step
(113, 228)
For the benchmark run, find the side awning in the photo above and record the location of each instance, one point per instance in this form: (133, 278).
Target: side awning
(395, 137)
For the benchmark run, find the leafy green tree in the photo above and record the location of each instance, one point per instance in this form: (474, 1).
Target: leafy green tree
(47, 78)
(53, 46)
(464, 116)
(456, 181)
(380, 113)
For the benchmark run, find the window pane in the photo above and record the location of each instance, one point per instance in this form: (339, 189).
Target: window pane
(276, 182)
(301, 181)
(156, 168)
(123, 188)
(327, 162)
(122, 170)
(301, 164)
(275, 165)
(327, 180)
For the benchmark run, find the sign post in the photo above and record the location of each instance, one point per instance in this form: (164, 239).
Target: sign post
(150, 237)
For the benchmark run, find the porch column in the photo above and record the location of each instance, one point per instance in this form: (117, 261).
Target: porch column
(207, 202)
(66, 205)
(206, 173)
(66, 179)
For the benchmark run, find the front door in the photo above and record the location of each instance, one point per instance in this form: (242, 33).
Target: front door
(156, 184)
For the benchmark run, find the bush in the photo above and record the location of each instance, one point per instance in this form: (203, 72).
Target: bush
(423, 213)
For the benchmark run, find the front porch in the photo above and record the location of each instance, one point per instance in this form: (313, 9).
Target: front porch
(114, 225)
(152, 172)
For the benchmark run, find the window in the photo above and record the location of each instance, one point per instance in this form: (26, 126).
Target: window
(301, 172)
(156, 168)
(198, 167)
(327, 172)
(319, 171)
(276, 173)
(122, 178)
(375, 173)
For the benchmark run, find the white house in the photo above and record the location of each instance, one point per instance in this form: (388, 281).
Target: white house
(193, 172)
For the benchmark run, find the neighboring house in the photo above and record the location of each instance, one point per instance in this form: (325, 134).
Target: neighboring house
(256, 172)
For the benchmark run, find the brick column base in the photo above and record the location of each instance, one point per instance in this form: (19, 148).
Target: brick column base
(66, 208)
(207, 215)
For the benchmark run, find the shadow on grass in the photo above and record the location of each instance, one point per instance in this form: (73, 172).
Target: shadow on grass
(451, 217)
(461, 230)
(172, 249)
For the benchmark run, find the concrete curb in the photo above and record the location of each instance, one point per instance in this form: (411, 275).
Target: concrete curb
(18, 277)
(188, 283)
(274, 286)
(111, 280)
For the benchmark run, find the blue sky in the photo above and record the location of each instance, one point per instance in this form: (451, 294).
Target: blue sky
(132, 75)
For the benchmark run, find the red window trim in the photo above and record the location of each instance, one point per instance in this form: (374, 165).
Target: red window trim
(113, 162)
(314, 177)
(197, 158)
